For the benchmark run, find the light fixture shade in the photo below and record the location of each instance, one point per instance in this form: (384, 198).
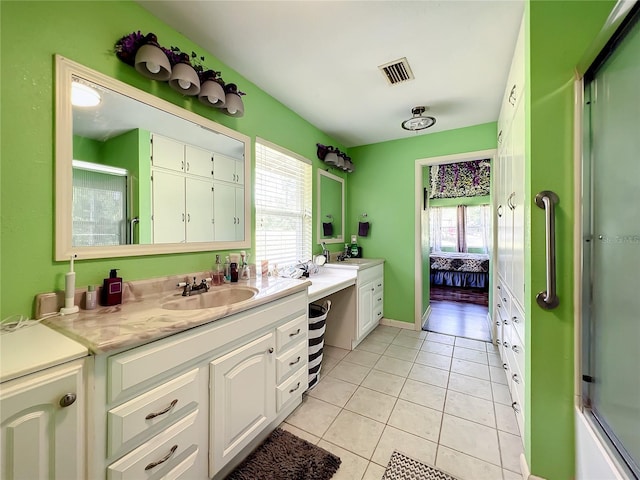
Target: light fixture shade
(331, 158)
(153, 63)
(184, 79)
(418, 121)
(341, 161)
(233, 105)
(348, 166)
(212, 94)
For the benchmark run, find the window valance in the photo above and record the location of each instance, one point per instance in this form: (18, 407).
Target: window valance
(463, 179)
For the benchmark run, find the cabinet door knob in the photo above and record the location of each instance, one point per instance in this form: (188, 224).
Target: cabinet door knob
(163, 459)
(162, 412)
(68, 399)
(270, 350)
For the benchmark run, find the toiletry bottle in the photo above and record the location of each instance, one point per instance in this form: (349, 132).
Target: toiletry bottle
(112, 289)
(218, 272)
(234, 271)
(227, 269)
(346, 250)
(90, 298)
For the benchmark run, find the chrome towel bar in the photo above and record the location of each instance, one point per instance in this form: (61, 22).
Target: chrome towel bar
(547, 200)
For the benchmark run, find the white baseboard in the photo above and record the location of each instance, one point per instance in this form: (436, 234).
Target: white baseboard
(389, 322)
(524, 469)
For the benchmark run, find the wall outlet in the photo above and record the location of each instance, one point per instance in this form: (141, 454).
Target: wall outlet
(354, 238)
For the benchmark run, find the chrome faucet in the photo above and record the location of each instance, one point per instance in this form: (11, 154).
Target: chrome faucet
(325, 251)
(195, 288)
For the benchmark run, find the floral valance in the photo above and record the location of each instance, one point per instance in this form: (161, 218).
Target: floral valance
(463, 179)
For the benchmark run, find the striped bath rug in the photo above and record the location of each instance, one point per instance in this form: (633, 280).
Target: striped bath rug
(401, 467)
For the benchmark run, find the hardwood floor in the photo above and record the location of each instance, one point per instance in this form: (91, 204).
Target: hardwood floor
(460, 319)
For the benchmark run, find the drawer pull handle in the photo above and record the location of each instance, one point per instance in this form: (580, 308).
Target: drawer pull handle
(295, 388)
(515, 378)
(67, 399)
(505, 366)
(504, 300)
(506, 344)
(516, 407)
(294, 333)
(506, 322)
(270, 350)
(161, 412)
(372, 289)
(497, 323)
(499, 342)
(293, 363)
(163, 459)
(515, 348)
(516, 319)
(379, 284)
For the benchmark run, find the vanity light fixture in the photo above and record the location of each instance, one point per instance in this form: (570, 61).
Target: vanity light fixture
(152, 63)
(418, 121)
(233, 105)
(184, 78)
(82, 95)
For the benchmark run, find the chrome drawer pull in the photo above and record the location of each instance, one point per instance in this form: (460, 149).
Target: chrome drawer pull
(506, 322)
(497, 323)
(515, 319)
(161, 412)
(506, 345)
(293, 363)
(295, 388)
(515, 348)
(515, 378)
(162, 460)
(505, 366)
(295, 333)
(516, 407)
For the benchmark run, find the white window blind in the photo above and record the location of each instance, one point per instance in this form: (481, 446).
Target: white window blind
(283, 205)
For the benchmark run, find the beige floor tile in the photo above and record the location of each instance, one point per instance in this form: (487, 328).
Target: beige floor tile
(498, 375)
(409, 342)
(372, 404)
(430, 375)
(300, 433)
(373, 472)
(405, 332)
(381, 337)
(506, 419)
(328, 364)
(509, 475)
(352, 466)
(355, 433)
(470, 438)
(372, 346)
(470, 386)
(510, 450)
(491, 348)
(465, 467)
(394, 366)
(440, 338)
(403, 353)
(501, 394)
(435, 347)
(349, 372)
(360, 357)
(470, 355)
(388, 329)
(472, 369)
(333, 390)
(494, 360)
(416, 419)
(335, 352)
(407, 443)
(433, 360)
(384, 382)
(473, 344)
(423, 394)
(470, 408)
(313, 416)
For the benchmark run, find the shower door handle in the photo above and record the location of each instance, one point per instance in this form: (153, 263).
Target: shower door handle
(547, 200)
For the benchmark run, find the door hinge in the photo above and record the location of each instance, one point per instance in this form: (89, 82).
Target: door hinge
(588, 379)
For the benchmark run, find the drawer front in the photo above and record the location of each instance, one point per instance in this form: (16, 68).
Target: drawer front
(291, 333)
(158, 405)
(136, 368)
(185, 467)
(291, 389)
(518, 321)
(157, 453)
(375, 273)
(517, 349)
(290, 361)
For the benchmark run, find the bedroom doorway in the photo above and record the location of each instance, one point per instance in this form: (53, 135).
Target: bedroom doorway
(456, 241)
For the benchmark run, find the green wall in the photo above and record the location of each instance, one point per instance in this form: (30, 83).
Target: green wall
(383, 186)
(85, 32)
(558, 35)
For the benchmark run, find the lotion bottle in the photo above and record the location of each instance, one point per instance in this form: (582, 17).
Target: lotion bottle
(112, 289)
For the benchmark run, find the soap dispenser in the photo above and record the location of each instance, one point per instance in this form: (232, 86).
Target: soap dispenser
(112, 289)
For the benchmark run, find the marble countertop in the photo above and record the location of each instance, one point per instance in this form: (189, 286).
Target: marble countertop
(355, 263)
(141, 319)
(330, 280)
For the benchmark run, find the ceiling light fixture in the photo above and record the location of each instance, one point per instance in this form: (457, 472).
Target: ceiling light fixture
(83, 95)
(418, 121)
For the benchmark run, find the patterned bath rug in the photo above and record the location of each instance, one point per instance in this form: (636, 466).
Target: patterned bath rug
(283, 456)
(401, 467)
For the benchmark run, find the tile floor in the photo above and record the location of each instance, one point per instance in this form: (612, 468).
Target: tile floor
(438, 398)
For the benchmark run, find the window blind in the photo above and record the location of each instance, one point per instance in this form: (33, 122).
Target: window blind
(283, 205)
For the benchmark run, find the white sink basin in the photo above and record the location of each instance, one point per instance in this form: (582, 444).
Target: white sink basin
(216, 297)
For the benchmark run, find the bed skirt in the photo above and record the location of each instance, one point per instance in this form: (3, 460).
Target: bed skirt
(460, 279)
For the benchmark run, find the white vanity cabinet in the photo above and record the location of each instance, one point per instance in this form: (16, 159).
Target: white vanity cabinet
(42, 418)
(187, 405)
(370, 284)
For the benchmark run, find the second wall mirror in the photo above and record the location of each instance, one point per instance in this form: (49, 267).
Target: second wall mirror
(330, 208)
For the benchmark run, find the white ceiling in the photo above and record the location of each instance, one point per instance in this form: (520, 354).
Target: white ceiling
(321, 58)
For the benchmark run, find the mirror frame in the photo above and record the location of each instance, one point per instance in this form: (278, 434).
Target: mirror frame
(340, 238)
(64, 248)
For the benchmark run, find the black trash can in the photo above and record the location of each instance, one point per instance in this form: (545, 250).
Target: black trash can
(317, 324)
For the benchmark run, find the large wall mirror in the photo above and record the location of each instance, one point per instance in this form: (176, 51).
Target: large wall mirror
(330, 207)
(137, 175)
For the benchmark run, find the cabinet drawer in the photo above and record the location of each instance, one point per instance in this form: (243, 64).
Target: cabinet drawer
(185, 467)
(291, 332)
(156, 406)
(157, 453)
(291, 361)
(518, 321)
(291, 389)
(375, 273)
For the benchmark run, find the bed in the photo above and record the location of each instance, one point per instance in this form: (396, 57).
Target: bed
(460, 269)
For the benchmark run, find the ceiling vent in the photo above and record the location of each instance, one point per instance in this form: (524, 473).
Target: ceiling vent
(397, 71)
